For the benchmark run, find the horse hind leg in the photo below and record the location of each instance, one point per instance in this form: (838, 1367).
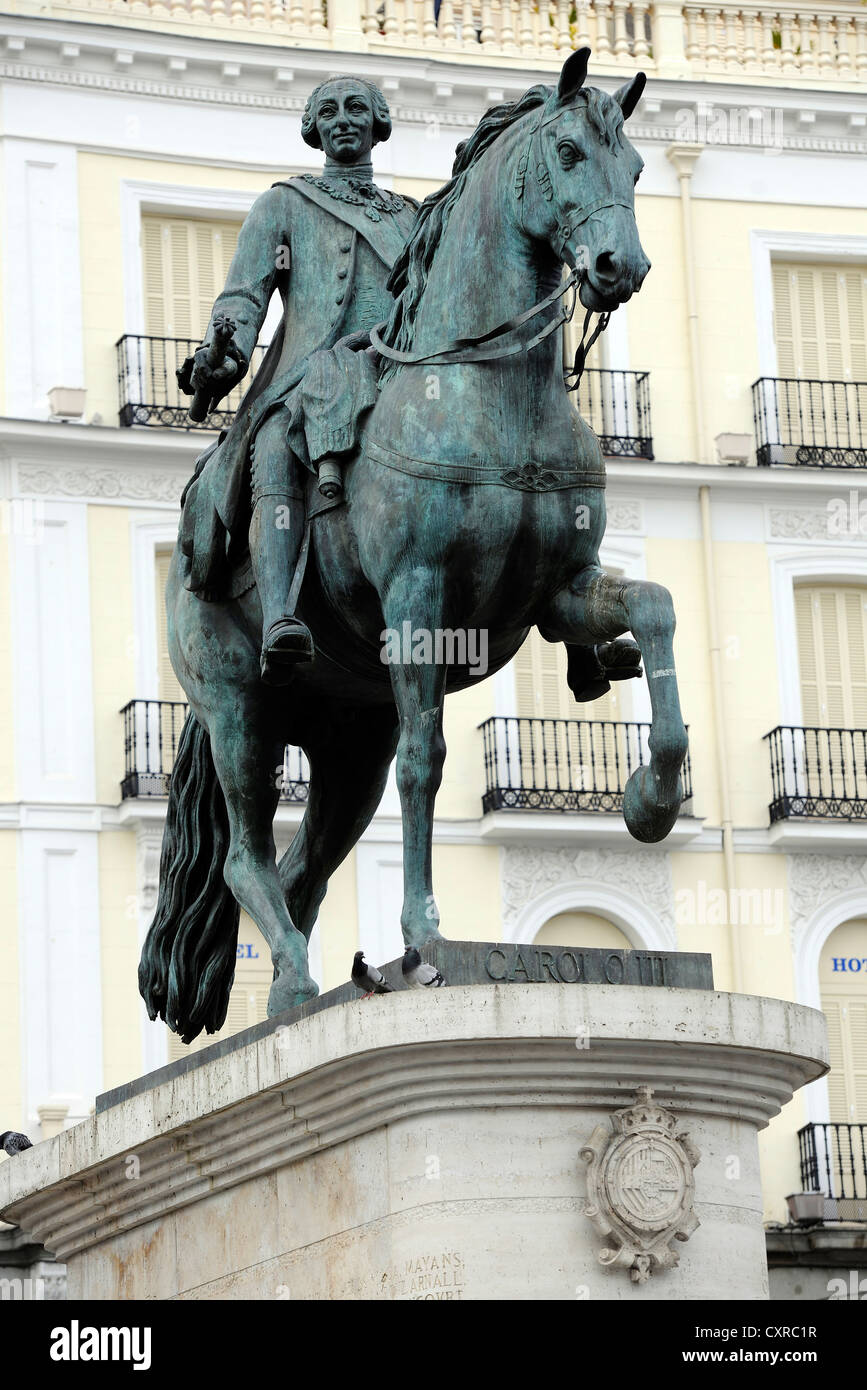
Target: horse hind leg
(349, 762)
(247, 767)
(596, 606)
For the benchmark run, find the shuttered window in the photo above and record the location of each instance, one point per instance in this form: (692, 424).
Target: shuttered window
(576, 757)
(248, 1002)
(832, 649)
(185, 263)
(820, 321)
(844, 1004)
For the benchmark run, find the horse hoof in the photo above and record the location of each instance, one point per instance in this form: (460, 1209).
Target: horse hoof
(647, 818)
(287, 993)
(422, 937)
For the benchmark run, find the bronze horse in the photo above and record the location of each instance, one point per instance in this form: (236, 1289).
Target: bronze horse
(460, 514)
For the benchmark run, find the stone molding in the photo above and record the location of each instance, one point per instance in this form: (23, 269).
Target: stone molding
(798, 523)
(623, 515)
(210, 1123)
(528, 873)
(815, 880)
(117, 484)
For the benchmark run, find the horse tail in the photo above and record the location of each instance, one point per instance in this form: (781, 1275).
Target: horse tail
(188, 958)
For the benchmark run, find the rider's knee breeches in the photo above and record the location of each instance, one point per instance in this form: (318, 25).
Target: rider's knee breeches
(272, 463)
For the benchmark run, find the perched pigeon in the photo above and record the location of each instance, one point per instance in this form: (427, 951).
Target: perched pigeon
(418, 974)
(14, 1143)
(367, 978)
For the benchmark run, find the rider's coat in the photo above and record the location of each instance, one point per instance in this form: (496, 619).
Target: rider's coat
(330, 262)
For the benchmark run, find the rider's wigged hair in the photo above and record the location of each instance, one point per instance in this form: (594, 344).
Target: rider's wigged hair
(409, 275)
(381, 113)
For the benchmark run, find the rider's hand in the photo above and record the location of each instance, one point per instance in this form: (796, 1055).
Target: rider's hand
(217, 380)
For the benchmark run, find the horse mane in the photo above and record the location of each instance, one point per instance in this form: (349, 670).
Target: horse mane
(409, 274)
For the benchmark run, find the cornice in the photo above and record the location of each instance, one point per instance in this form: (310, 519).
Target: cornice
(182, 67)
(279, 1094)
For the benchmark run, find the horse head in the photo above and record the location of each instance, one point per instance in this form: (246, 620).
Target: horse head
(576, 183)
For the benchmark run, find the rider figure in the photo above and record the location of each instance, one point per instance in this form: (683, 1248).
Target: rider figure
(327, 244)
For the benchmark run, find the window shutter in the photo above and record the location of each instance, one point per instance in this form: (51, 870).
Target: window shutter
(838, 1111)
(820, 322)
(185, 263)
(541, 689)
(831, 626)
(807, 655)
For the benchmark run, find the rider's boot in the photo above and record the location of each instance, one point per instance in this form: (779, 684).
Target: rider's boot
(275, 540)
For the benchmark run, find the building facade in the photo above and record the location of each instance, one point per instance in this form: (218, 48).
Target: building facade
(730, 396)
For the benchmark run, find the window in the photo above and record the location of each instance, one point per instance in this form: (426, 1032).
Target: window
(185, 264)
(579, 756)
(820, 313)
(843, 983)
(832, 649)
(582, 929)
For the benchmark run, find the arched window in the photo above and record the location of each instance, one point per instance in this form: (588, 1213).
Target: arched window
(585, 929)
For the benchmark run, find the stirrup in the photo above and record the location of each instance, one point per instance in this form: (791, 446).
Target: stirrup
(287, 643)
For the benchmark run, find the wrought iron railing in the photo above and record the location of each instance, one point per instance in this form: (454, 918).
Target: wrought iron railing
(563, 764)
(818, 772)
(148, 391)
(151, 729)
(821, 423)
(616, 405)
(834, 1162)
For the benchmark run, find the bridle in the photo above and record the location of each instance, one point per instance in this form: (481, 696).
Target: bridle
(479, 348)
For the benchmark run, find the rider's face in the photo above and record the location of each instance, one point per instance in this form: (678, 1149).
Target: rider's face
(344, 119)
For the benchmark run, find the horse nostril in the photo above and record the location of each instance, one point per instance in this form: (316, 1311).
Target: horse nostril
(606, 265)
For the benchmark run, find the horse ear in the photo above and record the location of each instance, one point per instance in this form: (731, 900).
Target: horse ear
(573, 74)
(629, 95)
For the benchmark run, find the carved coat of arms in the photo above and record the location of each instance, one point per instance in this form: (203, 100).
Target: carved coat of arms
(640, 1187)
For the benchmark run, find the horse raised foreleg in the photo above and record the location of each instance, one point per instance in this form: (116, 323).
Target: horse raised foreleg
(419, 690)
(596, 606)
(246, 767)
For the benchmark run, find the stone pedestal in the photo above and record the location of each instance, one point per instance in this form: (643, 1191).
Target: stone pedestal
(435, 1145)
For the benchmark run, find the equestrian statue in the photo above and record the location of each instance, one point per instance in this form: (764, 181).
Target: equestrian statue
(407, 453)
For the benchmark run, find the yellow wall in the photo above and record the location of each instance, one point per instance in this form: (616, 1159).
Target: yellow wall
(467, 884)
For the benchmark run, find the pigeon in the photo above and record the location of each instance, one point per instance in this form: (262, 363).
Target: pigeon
(418, 974)
(14, 1143)
(367, 977)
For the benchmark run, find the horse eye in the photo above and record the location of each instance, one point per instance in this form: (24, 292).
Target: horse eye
(569, 154)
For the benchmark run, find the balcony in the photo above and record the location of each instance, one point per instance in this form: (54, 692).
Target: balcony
(787, 42)
(616, 405)
(151, 729)
(822, 424)
(833, 1163)
(818, 773)
(148, 391)
(565, 774)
